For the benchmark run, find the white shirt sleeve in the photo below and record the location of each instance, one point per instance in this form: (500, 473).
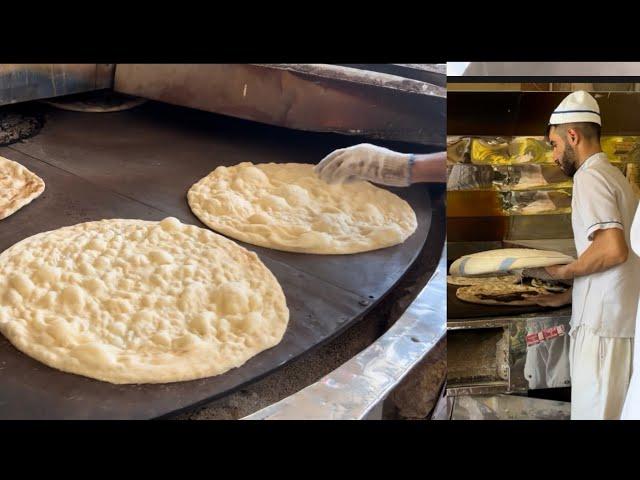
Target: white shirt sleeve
(597, 204)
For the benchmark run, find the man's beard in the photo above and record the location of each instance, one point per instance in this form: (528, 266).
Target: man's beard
(568, 161)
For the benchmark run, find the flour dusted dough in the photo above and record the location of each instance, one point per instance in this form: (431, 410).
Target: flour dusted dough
(288, 207)
(131, 301)
(18, 187)
(506, 259)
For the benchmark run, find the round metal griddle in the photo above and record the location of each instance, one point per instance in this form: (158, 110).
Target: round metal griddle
(140, 164)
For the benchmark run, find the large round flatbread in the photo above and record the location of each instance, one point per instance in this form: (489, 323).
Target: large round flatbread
(288, 207)
(506, 260)
(19, 186)
(131, 301)
(500, 294)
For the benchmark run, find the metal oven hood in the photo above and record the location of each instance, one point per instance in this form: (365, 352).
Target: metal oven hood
(312, 97)
(33, 81)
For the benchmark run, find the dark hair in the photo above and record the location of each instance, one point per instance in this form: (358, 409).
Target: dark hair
(589, 130)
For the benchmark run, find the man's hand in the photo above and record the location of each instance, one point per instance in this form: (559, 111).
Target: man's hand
(554, 300)
(366, 162)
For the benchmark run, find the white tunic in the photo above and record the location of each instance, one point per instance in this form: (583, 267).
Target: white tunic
(606, 302)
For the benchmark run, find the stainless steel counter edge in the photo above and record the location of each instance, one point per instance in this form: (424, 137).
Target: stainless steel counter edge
(352, 390)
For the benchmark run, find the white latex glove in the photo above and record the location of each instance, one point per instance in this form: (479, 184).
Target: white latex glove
(366, 162)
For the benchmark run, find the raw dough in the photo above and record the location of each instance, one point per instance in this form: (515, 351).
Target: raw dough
(132, 301)
(287, 207)
(506, 260)
(18, 187)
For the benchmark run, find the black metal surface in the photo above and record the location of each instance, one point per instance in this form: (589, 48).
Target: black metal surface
(459, 310)
(140, 164)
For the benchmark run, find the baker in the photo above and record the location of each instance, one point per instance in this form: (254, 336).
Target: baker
(606, 275)
(383, 166)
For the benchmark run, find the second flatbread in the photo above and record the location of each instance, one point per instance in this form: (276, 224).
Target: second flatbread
(286, 206)
(19, 186)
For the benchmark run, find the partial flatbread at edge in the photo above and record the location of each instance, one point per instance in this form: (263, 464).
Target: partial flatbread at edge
(497, 294)
(18, 187)
(132, 301)
(468, 281)
(286, 206)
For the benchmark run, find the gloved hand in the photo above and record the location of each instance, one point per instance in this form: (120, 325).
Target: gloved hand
(366, 162)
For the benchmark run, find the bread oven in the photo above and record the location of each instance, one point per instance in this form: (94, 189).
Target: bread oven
(504, 191)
